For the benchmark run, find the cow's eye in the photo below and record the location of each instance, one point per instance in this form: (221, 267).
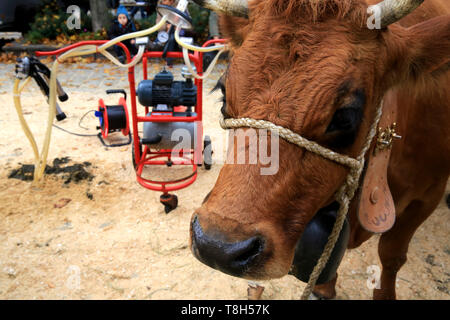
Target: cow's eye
(342, 129)
(345, 119)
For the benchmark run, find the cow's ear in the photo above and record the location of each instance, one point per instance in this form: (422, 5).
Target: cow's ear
(234, 29)
(426, 49)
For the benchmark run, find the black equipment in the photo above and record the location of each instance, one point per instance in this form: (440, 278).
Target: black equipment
(32, 67)
(164, 90)
(311, 244)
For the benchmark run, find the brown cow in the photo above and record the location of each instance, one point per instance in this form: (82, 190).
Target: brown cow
(314, 66)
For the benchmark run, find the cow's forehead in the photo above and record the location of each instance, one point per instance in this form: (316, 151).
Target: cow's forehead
(294, 63)
(311, 10)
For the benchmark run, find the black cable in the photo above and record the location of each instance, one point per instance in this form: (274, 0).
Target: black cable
(75, 134)
(117, 118)
(79, 124)
(82, 117)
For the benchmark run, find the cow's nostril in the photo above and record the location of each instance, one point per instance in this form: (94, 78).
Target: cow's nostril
(233, 258)
(252, 250)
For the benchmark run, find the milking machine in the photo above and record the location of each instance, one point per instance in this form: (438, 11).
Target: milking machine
(171, 110)
(31, 67)
(168, 115)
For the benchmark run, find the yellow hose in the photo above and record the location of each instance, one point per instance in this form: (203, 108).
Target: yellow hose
(23, 122)
(27, 80)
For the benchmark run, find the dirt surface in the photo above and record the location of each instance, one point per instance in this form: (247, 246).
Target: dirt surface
(109, 238)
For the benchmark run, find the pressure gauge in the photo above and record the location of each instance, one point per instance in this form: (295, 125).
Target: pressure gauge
(163, 36)
(175, 16)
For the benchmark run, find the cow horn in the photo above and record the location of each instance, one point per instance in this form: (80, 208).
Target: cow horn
(390, 11)
(238, 8)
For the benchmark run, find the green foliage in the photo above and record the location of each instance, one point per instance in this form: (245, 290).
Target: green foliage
(147, 23)
(200, 17)
(50, 22)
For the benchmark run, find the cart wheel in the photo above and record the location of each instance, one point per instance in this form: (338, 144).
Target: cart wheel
(207, 152)
(170, 202)
(132, 154)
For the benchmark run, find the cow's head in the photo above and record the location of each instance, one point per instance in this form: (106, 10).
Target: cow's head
(316, 68)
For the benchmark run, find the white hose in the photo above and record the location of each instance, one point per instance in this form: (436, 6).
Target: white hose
(195, 48)
(136, 59)
(187, 61)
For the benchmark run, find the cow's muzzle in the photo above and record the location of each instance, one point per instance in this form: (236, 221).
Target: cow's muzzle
(234, 258)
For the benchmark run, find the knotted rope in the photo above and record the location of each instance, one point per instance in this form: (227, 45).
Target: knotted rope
(345, 193)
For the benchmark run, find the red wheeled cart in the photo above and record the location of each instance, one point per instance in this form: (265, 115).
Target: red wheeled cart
(146, 151)
(145, 155)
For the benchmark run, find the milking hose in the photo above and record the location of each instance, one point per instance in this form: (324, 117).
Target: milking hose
(186, 46)
(23, 123)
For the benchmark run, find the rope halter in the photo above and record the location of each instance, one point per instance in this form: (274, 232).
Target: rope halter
(344, 194)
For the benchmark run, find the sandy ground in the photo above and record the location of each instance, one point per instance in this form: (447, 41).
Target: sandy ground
(120, 244)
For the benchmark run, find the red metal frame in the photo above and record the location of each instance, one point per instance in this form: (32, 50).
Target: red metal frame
(105, 128)
(148, 156)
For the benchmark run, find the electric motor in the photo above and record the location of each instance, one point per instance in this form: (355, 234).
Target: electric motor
(164, 90)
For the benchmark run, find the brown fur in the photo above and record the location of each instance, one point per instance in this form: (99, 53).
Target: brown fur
(289, 61)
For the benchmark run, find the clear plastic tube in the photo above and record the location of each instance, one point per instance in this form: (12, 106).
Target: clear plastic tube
(187, 61)
(136, 59)
(195, 48)
(137, 34)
